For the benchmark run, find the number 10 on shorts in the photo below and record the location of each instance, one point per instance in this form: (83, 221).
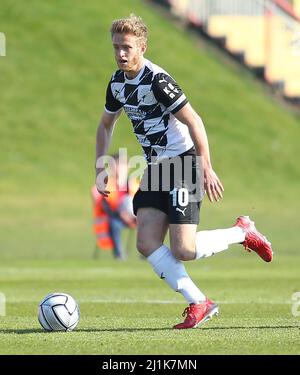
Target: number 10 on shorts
(180, 197)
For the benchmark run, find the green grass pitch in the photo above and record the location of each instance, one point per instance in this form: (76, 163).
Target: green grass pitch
(126, 310)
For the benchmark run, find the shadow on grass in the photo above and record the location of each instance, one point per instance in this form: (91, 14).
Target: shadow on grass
(28, 331)
(171, 329)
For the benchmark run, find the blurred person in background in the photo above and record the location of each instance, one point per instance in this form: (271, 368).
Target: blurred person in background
(114, 213)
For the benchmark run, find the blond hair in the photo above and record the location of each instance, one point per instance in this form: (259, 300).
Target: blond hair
(130, 25)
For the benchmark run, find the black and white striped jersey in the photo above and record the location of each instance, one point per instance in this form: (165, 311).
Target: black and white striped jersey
(150, 100)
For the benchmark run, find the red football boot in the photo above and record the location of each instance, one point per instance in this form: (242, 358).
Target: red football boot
(197, 314)
(254, 240)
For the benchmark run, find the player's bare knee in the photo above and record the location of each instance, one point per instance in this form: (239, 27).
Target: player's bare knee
(183, 253)
(140, 245)
(145, 247)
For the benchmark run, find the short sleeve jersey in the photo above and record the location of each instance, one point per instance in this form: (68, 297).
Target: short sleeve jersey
(150, 101)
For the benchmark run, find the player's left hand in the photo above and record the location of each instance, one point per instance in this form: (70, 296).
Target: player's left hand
(212, 185)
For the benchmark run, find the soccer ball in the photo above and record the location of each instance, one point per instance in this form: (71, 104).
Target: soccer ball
(58, 312)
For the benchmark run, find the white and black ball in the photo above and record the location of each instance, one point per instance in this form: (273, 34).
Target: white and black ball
(58, 312)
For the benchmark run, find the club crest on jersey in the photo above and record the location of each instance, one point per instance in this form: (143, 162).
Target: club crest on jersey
(145, 96)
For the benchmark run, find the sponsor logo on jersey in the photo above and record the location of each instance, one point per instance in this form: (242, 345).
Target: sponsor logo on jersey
(134, 113)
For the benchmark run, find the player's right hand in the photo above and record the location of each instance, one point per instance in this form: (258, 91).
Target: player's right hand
(101, 182)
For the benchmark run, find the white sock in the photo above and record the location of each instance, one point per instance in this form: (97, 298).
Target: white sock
(210, 242)
(167, 267)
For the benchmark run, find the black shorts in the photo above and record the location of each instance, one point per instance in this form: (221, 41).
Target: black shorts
(173, 186)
